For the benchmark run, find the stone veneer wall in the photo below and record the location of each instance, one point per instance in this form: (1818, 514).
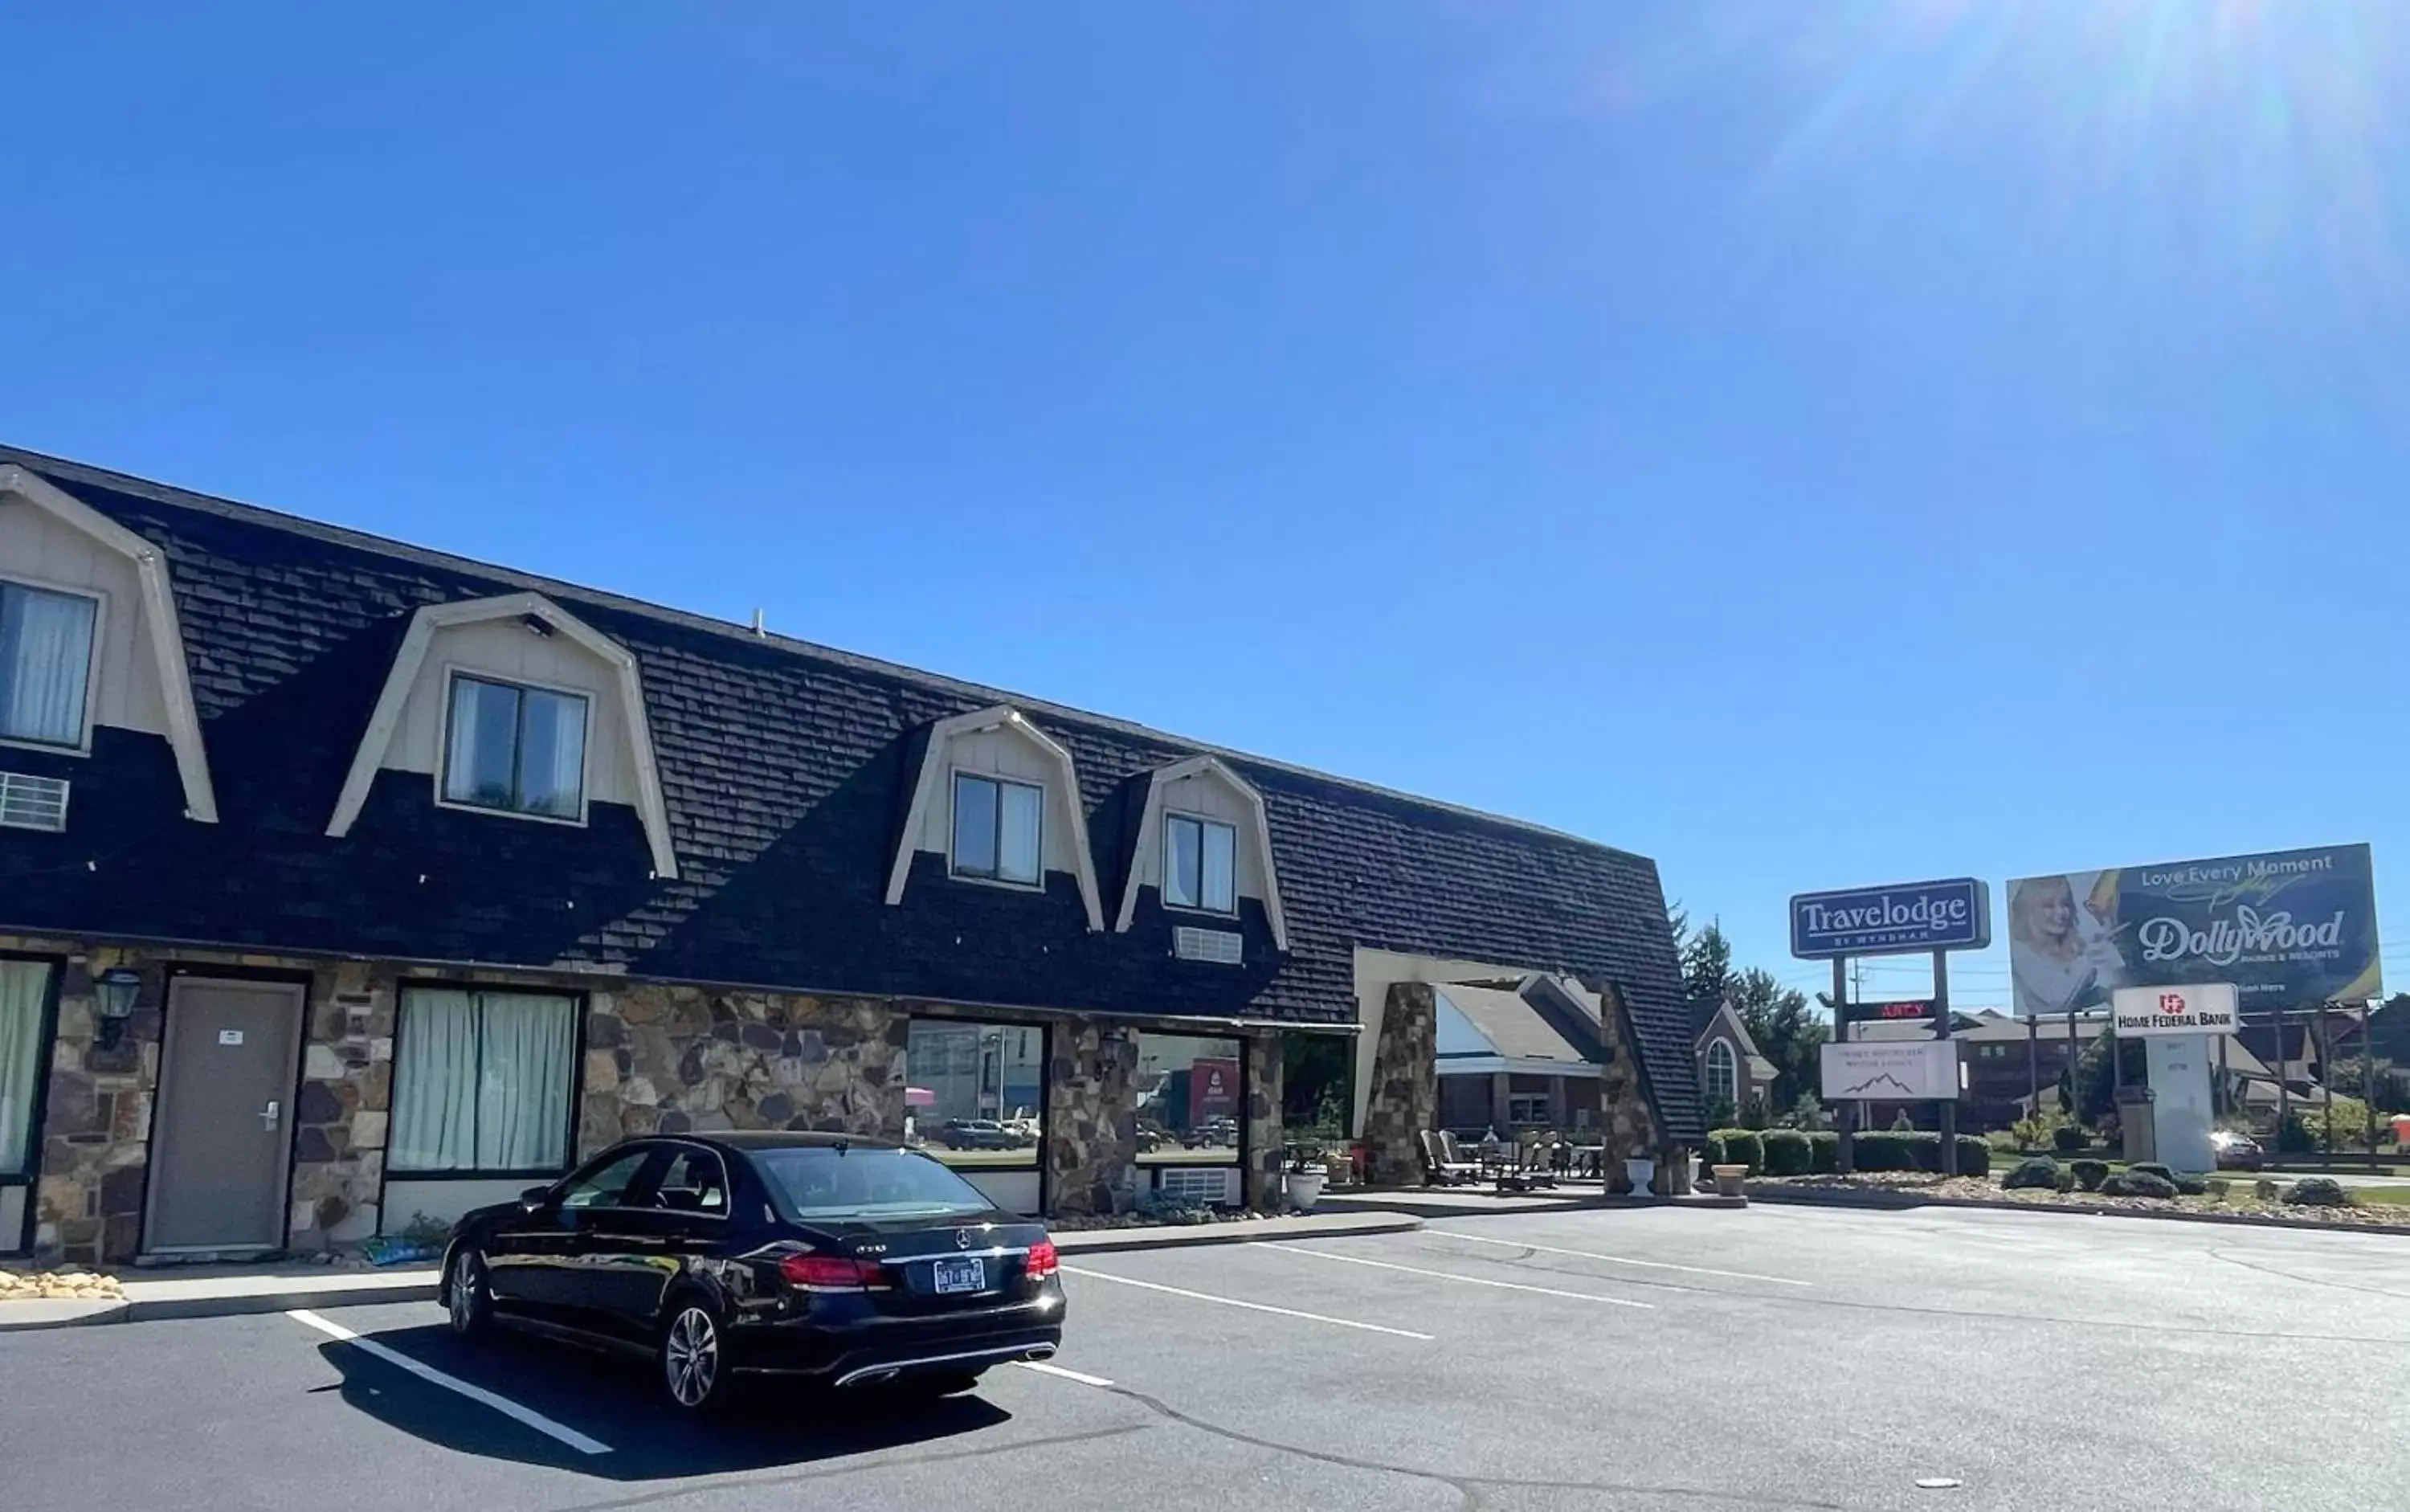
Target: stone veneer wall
(1260, 1186)
(1631, 1125)
(1092, 1118)
(1404, 1100)
(658, 1058)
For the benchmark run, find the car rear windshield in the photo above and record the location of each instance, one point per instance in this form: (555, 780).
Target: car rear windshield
(839, 1181)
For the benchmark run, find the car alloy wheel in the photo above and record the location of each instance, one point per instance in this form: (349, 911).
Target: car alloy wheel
(690, 1356)
(465, 1299)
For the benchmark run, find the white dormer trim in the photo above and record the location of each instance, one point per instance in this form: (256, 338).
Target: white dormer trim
(1151, 828)
(166, 633)
(932, 777)
(651, 806)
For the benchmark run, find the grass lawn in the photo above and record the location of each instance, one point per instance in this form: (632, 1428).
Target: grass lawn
(2390, 1196)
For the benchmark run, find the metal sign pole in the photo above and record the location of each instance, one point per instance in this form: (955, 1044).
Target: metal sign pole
(1848, 1120)
(2033, 1069)
(1941, 1032)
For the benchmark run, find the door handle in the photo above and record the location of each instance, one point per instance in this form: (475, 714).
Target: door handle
(267, 1115)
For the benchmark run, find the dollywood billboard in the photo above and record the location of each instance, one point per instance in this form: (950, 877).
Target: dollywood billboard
(2289, 928)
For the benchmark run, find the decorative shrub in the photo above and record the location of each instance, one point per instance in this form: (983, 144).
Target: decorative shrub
(1883, 1151)
(2188, 1185)
(2152, 1168)
(1741, 1147)
(2264, 1190)
(1786, 1152)
(2318, 1192)
(2067, 1139)
(2219, 1187)
(1974, 1156)
(2138, 1183)
(2037, 1172)
(2066, 1180)
(2089, 1174)
(1823, 1152)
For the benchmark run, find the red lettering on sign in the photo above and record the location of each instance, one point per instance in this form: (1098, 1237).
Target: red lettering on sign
(2172, 1002)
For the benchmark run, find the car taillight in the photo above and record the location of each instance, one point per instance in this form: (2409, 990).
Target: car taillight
(831, 1272)
(1042, 1261)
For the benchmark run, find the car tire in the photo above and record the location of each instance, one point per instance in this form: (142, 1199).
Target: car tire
(468, 1296)
(691, 1358)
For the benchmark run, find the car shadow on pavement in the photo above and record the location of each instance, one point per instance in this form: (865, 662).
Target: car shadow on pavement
(614, 1402)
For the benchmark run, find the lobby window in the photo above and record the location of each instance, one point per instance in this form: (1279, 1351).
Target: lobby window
(45, 664)
(517, 751)
(1526, 1109)
(997, 827)
(25, 1010)
(483, 1082)
(1189, 1099)
(1200, 863)
(974, 1094)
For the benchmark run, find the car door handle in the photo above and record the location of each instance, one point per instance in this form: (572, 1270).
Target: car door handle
(270, 1114)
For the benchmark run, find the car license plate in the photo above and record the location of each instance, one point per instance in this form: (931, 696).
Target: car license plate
(962, 1275)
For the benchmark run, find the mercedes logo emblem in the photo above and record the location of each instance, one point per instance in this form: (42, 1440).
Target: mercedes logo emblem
(962, 1239)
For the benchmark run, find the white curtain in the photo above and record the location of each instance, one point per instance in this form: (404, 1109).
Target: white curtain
(474, 705)
(23, 987)
(523, 1099)
(1019, 842)
(45, 660)
(435, 1082)
(552, 768)
(1221, 889)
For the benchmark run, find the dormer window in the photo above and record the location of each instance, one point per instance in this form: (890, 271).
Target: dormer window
(998, 830)
(1201, 863)
(516, 750)
(45, 664)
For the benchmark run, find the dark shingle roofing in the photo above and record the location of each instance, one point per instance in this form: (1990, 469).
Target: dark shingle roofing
(783, 764)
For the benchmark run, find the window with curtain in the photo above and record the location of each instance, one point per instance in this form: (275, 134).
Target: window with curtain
(45, 664)
(1724, 1072)
(519, 750)
(1201, 863)
(482, 1081)
(996, 829)
(25, 993)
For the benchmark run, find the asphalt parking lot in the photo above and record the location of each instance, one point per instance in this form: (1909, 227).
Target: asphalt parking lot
(1655, 1358)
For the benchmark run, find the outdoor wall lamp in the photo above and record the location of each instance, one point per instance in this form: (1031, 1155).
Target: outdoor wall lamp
(118, 991)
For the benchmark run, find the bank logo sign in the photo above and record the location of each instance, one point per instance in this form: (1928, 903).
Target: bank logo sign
(1905, 917)
(2203, 1008)
(2286, 928)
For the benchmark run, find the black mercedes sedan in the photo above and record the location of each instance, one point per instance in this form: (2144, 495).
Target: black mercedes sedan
(823, 1258)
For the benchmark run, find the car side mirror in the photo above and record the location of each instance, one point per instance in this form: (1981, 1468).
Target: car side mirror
(534, 1197)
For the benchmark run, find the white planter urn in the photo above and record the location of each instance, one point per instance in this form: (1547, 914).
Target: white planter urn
(1305, 1188)
(1642, 1170)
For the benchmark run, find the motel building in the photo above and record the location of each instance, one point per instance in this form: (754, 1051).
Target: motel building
(346, 885)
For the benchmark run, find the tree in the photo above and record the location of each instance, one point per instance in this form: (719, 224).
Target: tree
(1706, 967)
(1788, 1033)
(2096, 1076)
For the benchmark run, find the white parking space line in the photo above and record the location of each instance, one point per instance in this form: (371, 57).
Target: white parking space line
(1252, 1307)
(1044, 1369)
(1450, 1275)
(505, 1405)
(1616, 1259)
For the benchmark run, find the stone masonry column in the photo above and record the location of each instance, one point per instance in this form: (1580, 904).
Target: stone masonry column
(1404, 1097)
(1092, 1118)
(1261, 1181)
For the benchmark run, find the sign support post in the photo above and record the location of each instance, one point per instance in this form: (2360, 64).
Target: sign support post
(1848, 1119)
(1941, 1032)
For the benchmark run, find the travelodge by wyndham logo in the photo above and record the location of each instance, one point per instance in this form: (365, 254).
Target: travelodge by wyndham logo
(1954, 914)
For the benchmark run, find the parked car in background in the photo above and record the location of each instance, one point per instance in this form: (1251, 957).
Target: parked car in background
(975, 1134)
(811, 1258)
(1219, 1129)
(1024, 1129)
(2236, 1151)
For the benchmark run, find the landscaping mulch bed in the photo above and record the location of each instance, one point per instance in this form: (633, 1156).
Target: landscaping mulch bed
(1169, 1218)
(2238, 1201)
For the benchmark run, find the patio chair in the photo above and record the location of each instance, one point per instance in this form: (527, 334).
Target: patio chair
(1440, 1167)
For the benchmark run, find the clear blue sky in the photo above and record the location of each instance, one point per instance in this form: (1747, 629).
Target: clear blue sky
(1808, 444)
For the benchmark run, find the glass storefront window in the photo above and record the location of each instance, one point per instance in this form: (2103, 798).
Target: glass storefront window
(1188, 1101)
(974, 1094)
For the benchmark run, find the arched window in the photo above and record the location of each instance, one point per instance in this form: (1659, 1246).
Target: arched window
(1724, 1072)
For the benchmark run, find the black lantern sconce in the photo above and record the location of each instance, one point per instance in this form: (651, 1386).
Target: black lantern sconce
(119, 992)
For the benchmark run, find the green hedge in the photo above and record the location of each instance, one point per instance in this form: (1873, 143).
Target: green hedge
(1918, 1150)
(2138, 1183)
(2089, 1174)
(1737, 1147)
(2068, 1138)
(2319, 1192)
(1786, 1152)
(1823, 1152)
